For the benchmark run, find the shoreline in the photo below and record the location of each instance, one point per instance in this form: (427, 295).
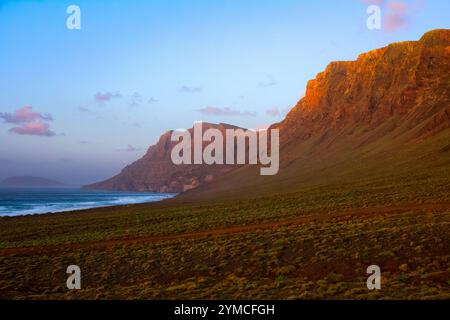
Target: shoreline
(82, 205)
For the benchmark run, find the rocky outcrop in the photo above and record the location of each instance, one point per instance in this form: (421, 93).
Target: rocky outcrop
(408, 80)
(388, 109)
(155, 171)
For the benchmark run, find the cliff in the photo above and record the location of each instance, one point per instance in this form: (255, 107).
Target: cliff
(155, 172)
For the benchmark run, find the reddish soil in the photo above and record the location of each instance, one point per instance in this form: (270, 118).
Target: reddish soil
(319, 217)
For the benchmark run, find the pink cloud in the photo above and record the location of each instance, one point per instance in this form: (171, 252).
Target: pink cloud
(33, 128)
(215, 111)
(105, 97)
(395, 21)
(29, 122)
(397, 16)
(24, 115)
(397, 6)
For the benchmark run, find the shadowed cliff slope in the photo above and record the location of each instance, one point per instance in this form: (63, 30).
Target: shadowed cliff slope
(379, 118)
(155, 171)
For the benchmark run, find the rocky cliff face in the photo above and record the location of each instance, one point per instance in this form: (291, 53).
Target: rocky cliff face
(408, 80)
(384, 99)
(155, 171)
(383, 115)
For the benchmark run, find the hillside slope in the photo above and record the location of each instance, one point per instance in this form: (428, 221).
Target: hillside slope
(379, 118)
(375, 120)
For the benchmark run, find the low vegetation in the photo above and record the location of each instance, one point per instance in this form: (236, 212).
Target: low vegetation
(292, 246)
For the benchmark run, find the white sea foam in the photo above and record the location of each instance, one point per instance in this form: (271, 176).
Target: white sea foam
(57, 205)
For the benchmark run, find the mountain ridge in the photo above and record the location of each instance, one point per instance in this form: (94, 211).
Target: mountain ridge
(371, 117)
(155, 172)
(355, 115)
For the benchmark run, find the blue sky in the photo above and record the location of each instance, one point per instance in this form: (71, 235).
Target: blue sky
(102, 94)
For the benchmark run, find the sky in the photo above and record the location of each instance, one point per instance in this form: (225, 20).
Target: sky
(77, 105)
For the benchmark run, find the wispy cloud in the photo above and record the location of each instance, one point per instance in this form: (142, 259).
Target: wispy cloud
(188, 89)
(136, 99)
(82, 109)
(215, 111)
(136, 95)
(130, 148)
(269, 82)
(273, 112)
(24, 115)
(106, 96)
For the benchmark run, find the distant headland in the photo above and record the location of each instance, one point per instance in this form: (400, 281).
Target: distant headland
(29, 181)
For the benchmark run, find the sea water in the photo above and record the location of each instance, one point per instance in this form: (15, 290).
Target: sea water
(23, 201)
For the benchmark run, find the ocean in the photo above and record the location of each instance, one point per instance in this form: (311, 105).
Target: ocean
(23, 201)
